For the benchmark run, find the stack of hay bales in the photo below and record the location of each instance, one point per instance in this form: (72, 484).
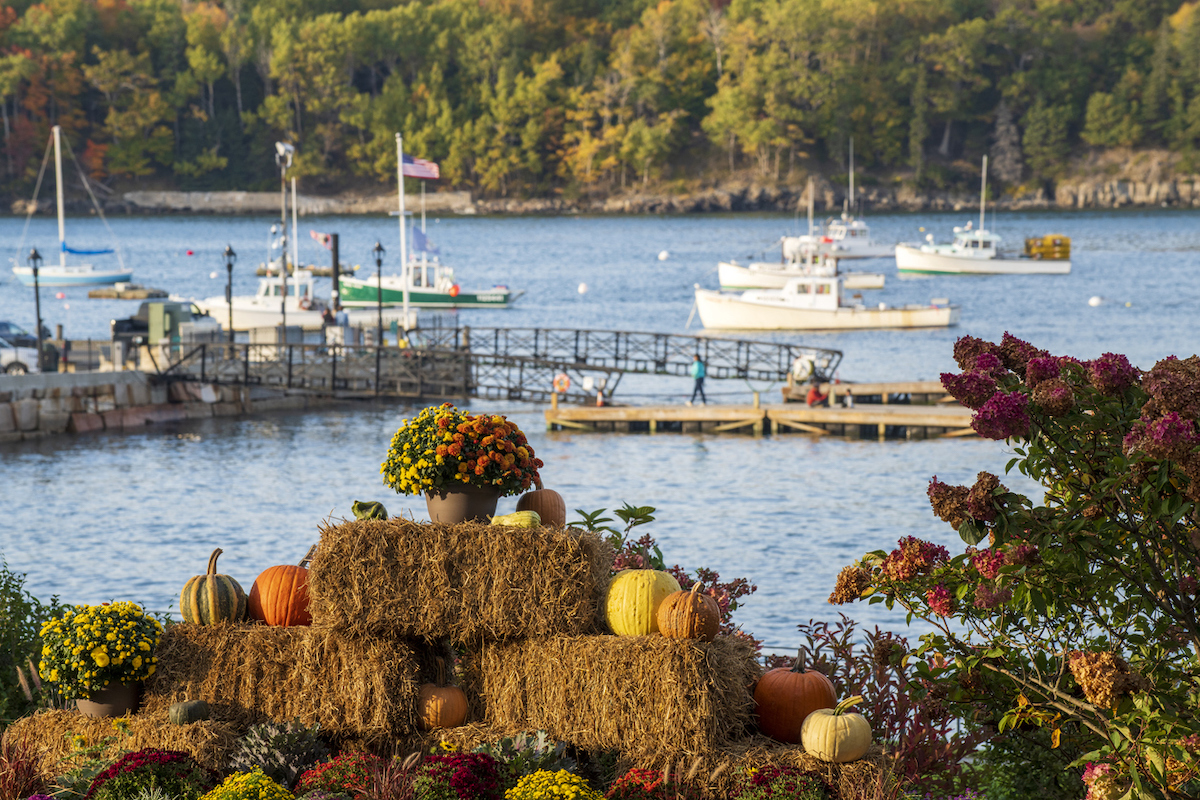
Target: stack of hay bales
(525, 607)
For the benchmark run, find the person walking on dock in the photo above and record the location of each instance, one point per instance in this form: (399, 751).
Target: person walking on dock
(696, 370)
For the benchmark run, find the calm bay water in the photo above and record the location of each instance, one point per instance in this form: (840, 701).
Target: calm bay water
(133, 516)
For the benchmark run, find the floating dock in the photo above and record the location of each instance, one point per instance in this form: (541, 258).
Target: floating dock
(865, 421)
(126, 291)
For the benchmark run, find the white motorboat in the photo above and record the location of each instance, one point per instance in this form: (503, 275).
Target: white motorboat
(842, 238)
(775, 275)
(62, 273)
(847, 237)
(264, 309)
(813, 303)
(977, 252)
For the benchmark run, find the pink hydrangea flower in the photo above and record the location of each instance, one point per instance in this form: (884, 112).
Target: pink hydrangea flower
(939, 600)
(1004, 416)
(1111, 373)
(988, 563)
(972, 389)
(1171, 436)
(987, 598)
(1041, 369)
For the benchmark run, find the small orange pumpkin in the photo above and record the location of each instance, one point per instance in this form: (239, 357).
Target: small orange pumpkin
(441, 705)
(548, 504)
(689, 615)
(279, 596)
(785, 697)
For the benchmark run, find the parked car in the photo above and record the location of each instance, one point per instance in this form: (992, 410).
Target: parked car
(17, 336)
(17, 360)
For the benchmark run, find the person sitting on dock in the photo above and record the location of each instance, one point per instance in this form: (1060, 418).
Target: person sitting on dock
(697, 371)
(815, 398)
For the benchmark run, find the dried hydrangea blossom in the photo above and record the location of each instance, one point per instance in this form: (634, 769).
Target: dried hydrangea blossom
(1104, 677)
(1016, 353)
(1023, 555)
(987, 597)
(911, 557)
(1004, 416)
(1054, 397)
(851, 583)
(968, 348)
(972, 389)
(981, 505)
(1041, 369)
(1173, 385)
(988, 563)
(949, 503)
(990, 364)
(1111, 374)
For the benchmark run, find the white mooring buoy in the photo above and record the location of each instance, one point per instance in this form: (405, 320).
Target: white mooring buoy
(1095, 300)
(583, 288)
(663, 255)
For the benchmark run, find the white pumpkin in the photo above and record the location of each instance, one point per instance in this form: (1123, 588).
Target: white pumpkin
(831, 734)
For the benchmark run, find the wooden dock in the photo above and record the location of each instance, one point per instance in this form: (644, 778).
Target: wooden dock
(916, 392)
(866, 421)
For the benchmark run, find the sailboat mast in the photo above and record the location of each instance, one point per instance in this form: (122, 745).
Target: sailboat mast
(295, 235)
(983, 193)
(403, 241)
(58, 186)
(851, 175)
(811, 204)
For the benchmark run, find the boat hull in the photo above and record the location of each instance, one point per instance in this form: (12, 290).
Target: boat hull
(72, 276)
(245, 318)
(915, 260)
(774, 276)
(353, 292)
(731, 312)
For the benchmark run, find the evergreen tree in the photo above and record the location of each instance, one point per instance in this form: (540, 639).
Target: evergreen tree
(1045, 138)
(1006, 146)
(918, 126)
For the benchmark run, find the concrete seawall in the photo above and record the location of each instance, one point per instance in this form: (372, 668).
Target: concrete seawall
(35, 406)
(306, 205)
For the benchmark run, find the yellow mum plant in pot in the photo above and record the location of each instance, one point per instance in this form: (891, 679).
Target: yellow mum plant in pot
(463, 463)
(98, 655)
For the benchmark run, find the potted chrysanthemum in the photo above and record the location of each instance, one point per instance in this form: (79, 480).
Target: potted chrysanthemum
(463, 463)
(99, 655)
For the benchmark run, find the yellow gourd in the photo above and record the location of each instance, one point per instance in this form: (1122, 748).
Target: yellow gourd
(831, 734)
(634, 596)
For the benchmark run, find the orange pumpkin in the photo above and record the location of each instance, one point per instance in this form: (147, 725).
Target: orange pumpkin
(548, 504)
(279, 596)
(785, 697)
(689, 615)
(439, 705)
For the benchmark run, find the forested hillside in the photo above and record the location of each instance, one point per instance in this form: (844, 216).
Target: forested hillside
(519, 98)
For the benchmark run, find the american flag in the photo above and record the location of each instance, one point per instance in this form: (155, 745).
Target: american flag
(420, 168)
(324, 239)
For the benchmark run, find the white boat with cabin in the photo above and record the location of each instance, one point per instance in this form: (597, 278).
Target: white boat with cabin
(974, 252)
(768, 275)
(813, 303)
(264, 309)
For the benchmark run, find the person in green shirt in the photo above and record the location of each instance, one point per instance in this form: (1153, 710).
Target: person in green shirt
(696, 370)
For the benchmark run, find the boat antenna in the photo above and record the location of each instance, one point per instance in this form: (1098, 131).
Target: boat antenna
(96, 204)
(983, 193)
(33, 204)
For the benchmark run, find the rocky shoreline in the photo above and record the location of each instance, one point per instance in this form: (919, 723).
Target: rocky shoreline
(1103, 180)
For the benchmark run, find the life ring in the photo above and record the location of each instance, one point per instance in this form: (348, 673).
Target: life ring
(562, 382)
(305, 304)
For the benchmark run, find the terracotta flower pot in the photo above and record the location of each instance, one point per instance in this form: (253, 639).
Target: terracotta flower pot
(452, 505)
(114, 700)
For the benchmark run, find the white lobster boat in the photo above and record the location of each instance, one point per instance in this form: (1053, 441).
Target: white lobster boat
(813, 303)
(768, 275)
(975, 252)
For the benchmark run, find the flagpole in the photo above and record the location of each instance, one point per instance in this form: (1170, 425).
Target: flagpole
(403, 243)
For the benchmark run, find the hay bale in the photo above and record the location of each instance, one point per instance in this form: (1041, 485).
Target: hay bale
(51, 734)
(467, 582)
(635, 694)
(361, 687)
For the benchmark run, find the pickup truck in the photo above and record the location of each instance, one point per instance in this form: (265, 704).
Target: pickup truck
(136, 330)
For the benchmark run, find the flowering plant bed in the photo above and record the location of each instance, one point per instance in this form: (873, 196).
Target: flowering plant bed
(173, 772)
(85, 648)
(442, 448)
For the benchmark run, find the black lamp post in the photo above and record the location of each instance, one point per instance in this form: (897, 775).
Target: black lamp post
(378, 251)
(230, 257)
(35, 260)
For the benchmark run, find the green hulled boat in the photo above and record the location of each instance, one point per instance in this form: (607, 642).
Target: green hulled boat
(431, 286)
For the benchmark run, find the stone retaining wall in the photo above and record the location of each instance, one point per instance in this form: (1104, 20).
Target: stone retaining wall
(34, 406)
